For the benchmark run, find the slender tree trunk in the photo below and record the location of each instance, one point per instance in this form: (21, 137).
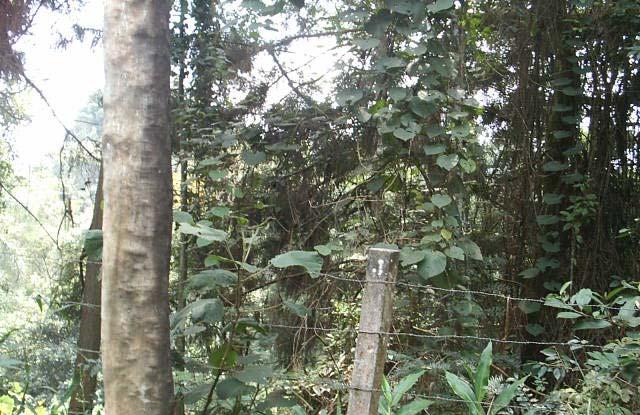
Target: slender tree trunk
(85, 380)
(137, 203)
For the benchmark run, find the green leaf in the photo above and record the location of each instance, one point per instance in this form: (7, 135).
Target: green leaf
(398, 94)
(253, 159)
(247, 267)
(433, 149)
(463, 390)
(627, 312)
(93, 244)
(401, 6)
(298, 309)
(363, 114)
(461, 131)
(530, 273)
(323, 250)
(570, 91)
(378, 23)
(529, 307)
(193, 330)
(409, 256)
(220, 211)
(212, 161)
(447, 161)
(534, 329)
(254, 374)
(572, 178)
(561, 81)
(506, 396)
(551, 247)
(182, 217)
(556, 303)
(368, 43)
(404, 135)
(440, 5)
(418, 50)
(582, 297)
(310, 261)
(255, 5)
(8, 363)
(431, 96)
(435, 131)
(404, 386)
(414, 407)
(554, 166)
(562, 108)
(441, 200)
(197, 393)
(468, 165)
(275, 399)
(552, 199)
(421, 108)
(471, 249)
(6, 404)
(569, 315)
(348, 96)
(390, 62)
(223, 357)
(217, 175)
(455, 253)
(232, 388)
(592, 324)
(431, 237)
(212, 278)
(545, 263)
(434, 263)
(482, 372)
(203, 231)
(543, 220)
(208, 310)
(281, 147)
(212, 261)
(559, 134)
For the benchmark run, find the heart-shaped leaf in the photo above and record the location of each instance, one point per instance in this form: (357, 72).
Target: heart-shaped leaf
(448, 161)
(310, 261)
(434, 263)
(441, 200)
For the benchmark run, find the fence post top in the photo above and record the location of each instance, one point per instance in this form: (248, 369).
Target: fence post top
(384, 249)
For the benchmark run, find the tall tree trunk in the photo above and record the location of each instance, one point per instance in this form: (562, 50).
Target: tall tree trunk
(561, 135)
(137, 215)
(84, 378)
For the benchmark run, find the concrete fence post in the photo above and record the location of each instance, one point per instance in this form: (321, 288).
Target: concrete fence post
(375, 319)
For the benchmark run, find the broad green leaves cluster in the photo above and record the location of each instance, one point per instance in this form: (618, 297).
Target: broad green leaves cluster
(475, 394)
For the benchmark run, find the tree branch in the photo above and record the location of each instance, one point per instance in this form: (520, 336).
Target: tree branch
(292, 85)
(30, 214)
(55, 115)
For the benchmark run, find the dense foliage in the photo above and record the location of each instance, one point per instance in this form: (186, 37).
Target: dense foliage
(495, 143)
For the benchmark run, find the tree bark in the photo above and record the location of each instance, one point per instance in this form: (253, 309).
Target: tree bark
(84, 378)
(138, 209)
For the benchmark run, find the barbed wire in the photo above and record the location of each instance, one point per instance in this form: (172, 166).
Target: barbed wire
(574, 344)
(362, 282)
(338, 385)
(461, 291)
